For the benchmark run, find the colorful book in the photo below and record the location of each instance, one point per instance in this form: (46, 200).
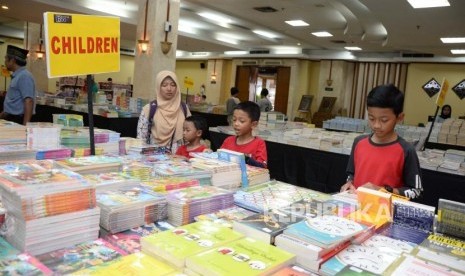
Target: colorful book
(309, 208)
(389, 245)
(22, 264)
(245, 257)
(176, 245)
(374, 207)
(81, 256)
(325, 231)
(238, 158)
(138, 264)
(265, 226)
(226, 217)
(6, 249)
(451, 217)
(409, 265)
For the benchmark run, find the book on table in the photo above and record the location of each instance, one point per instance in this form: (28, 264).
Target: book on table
(374, 207)
(451, 217)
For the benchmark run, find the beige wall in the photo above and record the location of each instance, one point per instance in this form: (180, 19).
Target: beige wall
(191, 69)
(418, 105)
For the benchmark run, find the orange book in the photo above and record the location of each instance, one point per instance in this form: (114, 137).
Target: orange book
(374, 207)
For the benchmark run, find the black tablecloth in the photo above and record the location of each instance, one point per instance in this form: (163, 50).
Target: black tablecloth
(325, 171)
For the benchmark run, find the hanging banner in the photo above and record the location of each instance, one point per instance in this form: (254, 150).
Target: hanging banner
(442, 95)
(79, 44)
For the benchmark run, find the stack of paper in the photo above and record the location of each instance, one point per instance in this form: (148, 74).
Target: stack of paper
(12, 133)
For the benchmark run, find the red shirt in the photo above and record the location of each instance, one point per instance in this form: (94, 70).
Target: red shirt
(182, 150)
(255, 148)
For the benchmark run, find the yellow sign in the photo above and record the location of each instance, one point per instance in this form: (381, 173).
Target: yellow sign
(188, 83)
(81, 44)
(442, 94)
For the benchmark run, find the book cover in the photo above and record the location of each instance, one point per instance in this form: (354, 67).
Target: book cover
(451, 217)
(369, 259)
(325, 231)
(138, 264)
(242, 257)
(413, 215)
(389, 245)
(265, 226)
(6, 249)
(22, 264)
(309, 208)
(375, 207)
(177, 244)
(81, 256)
(293, 270)
(404, 233)
(238, 158)
(409, 265)
(226, 217)
(354, 271)
(443, 249)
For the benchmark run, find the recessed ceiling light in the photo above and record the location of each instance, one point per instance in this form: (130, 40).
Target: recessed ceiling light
(5, 7)
(419, 4)
(186, 29)
(458, 51)
(453, 39)
(227, 40)
(322, 34)
(299, 44)
(297, 23)
(231, 53)
(264, 33)
(215, 17)
(353, 48)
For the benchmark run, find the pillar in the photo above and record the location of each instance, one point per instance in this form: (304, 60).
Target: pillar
(148, 64)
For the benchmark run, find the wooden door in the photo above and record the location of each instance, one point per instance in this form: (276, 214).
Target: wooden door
(282, 89)
(243, 75)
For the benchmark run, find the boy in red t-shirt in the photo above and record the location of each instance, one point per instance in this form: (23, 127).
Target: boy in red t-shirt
(245, 119)
(195, 129)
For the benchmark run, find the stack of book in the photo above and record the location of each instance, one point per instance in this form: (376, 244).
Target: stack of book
(105, 140)
(111, 181)
(176, 245)
(58, 153)
(91, 164)
(316, 240)
(181, 168)
(43, 135)
(374, 207)
(184, 205)
(257, 175)
(274, 195)
(72, 259)
(169, 183)
(12, 133)
(49, 208)
(451, 215)
(127, 208)
(226, 175)
(138, 170)
(16, 152)
(241, 257)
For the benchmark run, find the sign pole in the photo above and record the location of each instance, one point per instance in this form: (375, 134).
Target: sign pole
(430, 129)
(90, 113)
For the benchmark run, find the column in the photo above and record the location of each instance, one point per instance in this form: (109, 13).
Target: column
(148, 64)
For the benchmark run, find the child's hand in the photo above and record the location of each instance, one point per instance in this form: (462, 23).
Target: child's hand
(207, 150)
(372, 186)
(349, 186)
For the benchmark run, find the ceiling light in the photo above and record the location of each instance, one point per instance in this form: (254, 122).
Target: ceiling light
(5, 7)
(215, 17)
(418, 4)
(287, 51)
(199, 54)
(227, 40)
(353, 48)
(458, 51)
(186, 29)
(297, 23)
(232, 53)
(322, 34)
(264, 33)
(180, 53)
(453, 39)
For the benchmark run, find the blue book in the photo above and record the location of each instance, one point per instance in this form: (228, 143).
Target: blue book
(236, 157)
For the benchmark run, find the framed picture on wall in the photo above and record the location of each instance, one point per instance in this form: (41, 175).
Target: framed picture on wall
(327, 104)
(432, 87)
(459, 89)
(305, 103)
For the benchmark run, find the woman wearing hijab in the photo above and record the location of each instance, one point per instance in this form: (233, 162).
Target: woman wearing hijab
(446, 112)
(168, 119)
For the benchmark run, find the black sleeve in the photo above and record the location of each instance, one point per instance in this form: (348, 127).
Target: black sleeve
(412, 172)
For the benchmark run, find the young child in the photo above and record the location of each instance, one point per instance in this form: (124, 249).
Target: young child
(245, 118)
(194, 130)
(383, 159)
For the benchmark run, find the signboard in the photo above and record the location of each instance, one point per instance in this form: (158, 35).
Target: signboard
(442, 95)
(188, 83)
(79, 44)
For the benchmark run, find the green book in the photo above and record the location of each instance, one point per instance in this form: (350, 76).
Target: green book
(243, 257)
(176, 245)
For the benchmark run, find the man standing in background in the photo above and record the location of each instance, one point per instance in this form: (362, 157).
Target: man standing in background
(231, 103)
(20, 97)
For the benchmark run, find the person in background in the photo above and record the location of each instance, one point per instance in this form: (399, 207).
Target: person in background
(383, 159)
(165, 127)
(264, 103)
(19, 101)
(194, 133)
(245, 119)
(446, 112)
(231, 103)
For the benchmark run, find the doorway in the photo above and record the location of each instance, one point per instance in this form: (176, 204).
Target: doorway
(251, 79)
